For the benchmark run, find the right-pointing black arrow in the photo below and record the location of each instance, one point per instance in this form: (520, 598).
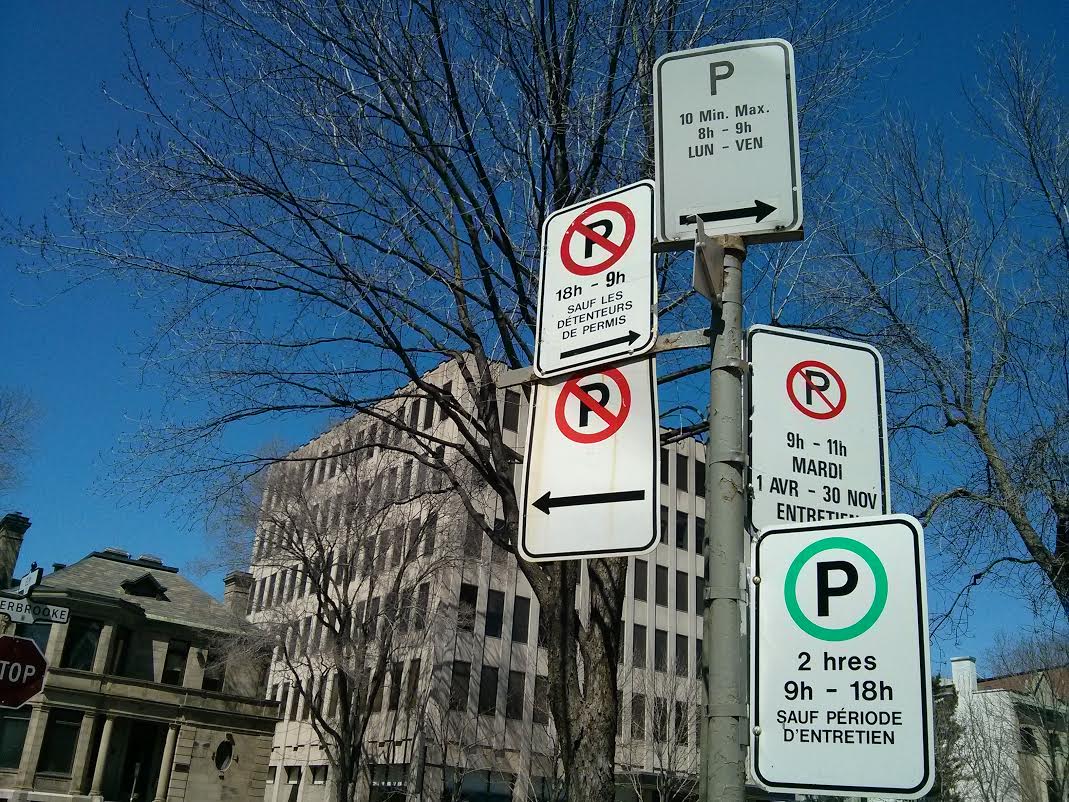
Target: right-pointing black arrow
(759, 211)
(547, 503)
(628, 338)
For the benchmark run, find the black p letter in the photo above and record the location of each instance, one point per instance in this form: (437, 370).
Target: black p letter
(719, 71)
(826, 591)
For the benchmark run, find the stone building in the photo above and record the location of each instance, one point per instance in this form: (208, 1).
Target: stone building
(138, 703)
(481, 730)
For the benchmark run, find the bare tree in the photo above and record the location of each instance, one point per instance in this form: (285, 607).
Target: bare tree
(344, 599)
(960, 273)
(16, 416)
(668, 755)
(332, 199)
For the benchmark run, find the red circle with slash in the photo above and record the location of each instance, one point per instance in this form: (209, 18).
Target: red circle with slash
(594, 407)
(581, 227)
(815, 397)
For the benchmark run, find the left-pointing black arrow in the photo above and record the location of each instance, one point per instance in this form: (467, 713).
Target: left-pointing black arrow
(628, 338)
(547, 503)
(759, 211)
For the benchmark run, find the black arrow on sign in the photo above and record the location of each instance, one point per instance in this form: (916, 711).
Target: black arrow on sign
(628, 338)
(760, 210)
(546, 503)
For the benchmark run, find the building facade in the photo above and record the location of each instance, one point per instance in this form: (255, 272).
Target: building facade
(139, 700)
(462, 712)
(1014, 741)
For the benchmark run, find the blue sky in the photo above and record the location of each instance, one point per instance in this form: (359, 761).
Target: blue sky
(75, 352)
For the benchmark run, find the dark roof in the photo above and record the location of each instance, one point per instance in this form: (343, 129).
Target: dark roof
(1026, 681)
(103, 573)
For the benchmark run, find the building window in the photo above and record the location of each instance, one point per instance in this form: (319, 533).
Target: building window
(641, 579)
(174, 664)
(682, 654)
(542, 630)
(214, 670)
(662, 585)
(699, 478)
(224, 753)
(473, 539)
(469, 597)
(541, 700)
(638, 717)
(1028, 741)
(397, 671)
(272, 772)
(660, 720)
(488, 691)
(681, 471)
(682, 724)
(660, 650)
(413, 414)
(514, 695)
(458, 686)
(423, 597)
(521, 617)
(495, 613)
(699, 595)
(682, 591)
(283, 702)
(681, 530)
(13, 724)
(638, 646)
(510, 415)
(664, 524)
(81, 644)
(61, 734)
(665, 457)
(699, 534)
(38, 632)
(319, 775)
(413, 683)
(293, 775)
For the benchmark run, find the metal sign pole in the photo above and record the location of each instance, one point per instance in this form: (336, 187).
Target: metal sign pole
(723, 776)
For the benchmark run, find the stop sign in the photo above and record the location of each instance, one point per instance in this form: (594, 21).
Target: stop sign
(22, 670)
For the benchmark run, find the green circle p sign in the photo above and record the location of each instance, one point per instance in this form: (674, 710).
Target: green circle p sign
(879, 599)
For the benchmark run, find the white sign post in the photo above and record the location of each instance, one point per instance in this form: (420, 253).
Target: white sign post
(817, 433)
(726, 131)
(590, 480)
(840, 680)
(597, 292)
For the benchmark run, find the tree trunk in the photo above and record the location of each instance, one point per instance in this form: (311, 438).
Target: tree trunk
(584, 687)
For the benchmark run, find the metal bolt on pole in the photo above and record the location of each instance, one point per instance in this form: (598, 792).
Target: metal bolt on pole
(723, 776)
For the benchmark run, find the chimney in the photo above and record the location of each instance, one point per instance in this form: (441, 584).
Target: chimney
(12, 528)
(236, 589)
(963, 671)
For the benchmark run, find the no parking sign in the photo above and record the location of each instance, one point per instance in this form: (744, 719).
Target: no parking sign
(597, 294)
(590, 477)
(817, 434)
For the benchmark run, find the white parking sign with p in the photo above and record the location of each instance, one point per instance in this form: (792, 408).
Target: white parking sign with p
(840, 679)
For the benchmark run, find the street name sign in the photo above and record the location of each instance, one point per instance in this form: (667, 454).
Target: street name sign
(817, 440)
(726, 142)
(24, 611)
(841, 689)
(30, 581)
(22, 670)
(597, 290)
(590, 479)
